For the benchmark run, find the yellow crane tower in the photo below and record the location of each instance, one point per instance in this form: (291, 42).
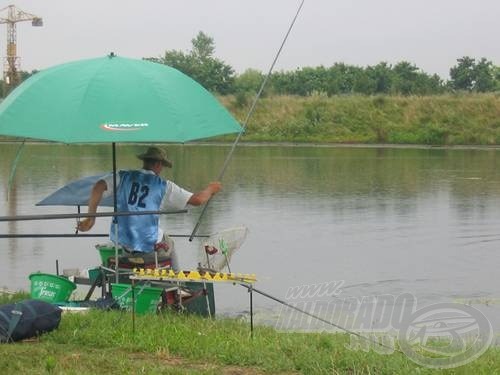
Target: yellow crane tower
(10, 15)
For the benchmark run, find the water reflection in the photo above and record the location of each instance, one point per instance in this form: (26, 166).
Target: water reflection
(385, 220)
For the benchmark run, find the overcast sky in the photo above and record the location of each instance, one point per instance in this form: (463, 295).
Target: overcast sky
(432, 34)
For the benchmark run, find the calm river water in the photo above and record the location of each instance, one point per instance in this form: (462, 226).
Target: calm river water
(385, 221)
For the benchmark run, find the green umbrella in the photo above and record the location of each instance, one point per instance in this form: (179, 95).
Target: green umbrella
(110, 100)
(113, 99)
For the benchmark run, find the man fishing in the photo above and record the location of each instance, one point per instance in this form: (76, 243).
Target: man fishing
(144, 190)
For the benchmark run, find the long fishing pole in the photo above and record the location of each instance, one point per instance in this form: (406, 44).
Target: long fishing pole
(247, 118)
(71, 235)
(97, 214)
(289, 305)
(251, 289)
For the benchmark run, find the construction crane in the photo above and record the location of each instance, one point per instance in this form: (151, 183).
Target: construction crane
(11, 15)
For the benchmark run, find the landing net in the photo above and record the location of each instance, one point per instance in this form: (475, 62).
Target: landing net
(216, 251)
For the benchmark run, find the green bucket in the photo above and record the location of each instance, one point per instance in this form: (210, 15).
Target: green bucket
(146, 297)
(51, 288)
(107, 252)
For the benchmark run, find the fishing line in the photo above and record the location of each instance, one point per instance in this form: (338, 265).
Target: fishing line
(249, 114)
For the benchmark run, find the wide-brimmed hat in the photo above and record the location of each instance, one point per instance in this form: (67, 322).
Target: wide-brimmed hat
(155, 153)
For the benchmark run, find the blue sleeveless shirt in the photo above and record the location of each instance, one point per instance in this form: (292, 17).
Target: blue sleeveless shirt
(138, 191)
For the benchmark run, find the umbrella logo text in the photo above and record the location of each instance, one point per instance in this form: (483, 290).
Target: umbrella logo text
(123, 126)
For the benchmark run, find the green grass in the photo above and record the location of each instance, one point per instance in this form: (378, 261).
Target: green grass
(465, 119)
(103, 342)
(432, 120)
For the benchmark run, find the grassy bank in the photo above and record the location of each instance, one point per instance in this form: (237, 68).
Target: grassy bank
(103, 342)
(432, 120)
(468, 119)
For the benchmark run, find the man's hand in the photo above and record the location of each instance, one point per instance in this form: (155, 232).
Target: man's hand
(86, 224)
(215, 187)
(204, 195)
(95, 198)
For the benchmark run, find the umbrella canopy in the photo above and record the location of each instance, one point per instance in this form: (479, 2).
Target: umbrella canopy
(113, 99)
(75, 193)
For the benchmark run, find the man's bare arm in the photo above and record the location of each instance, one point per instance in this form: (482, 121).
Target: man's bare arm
(95, 198)
(204, 195)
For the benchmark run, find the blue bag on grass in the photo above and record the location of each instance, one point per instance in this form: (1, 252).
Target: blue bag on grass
(26, 319)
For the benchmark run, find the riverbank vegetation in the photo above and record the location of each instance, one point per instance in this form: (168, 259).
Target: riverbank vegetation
(103, 342)
(385, 103)
(402, 78)
(429, 120)
(445, 120)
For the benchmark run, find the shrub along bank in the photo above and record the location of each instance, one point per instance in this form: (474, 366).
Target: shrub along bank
(468, 119)
(472, 119)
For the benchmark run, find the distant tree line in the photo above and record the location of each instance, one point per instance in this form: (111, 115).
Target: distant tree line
(403, 78)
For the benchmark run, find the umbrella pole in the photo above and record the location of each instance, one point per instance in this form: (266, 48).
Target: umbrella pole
(247, 118)
(115, 209)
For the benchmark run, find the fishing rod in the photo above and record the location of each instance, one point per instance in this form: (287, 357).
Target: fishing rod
(80, 215)
(251, 289)
(70, 235)
(249, 114)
